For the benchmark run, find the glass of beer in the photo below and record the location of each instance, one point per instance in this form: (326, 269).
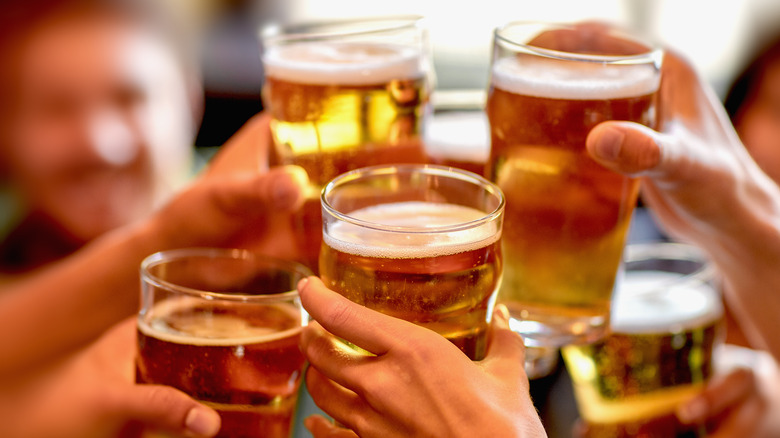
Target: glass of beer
(345, 95)
(223, 326)
(567, 216)
(666, 322)
(421, 243)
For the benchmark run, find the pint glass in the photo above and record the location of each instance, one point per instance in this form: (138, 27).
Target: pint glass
(566, 216)
(223, 326)
(345, 95)
(421, 243)
(666, 321)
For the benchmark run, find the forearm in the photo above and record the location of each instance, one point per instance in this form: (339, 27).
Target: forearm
(72, 302)
(747, 254)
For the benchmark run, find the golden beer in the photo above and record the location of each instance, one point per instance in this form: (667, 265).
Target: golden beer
(341, 105)
(243, 361)
(445, 282)
(421, 243)
(567, 216)
(659, 355)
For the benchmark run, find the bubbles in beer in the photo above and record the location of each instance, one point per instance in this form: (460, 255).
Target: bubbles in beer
(556, 79)
(342, 63)
(656, 302)
(421, 217)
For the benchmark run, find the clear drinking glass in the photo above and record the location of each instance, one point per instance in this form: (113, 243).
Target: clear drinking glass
(566, 216)
(421, 243)
(345, 95)
(223, 326)
(666, 324)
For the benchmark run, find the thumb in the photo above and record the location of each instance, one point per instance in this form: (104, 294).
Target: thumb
(164, 408)
(625, 147)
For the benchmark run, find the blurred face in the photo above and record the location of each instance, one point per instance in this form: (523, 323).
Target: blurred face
(101, 126)
(759, 123)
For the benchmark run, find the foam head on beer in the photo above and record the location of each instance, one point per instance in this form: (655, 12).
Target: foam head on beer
(342, 63)
(654, 302)
(427, 216)
(556, 79)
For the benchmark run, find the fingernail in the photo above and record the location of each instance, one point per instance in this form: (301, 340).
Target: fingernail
(302, 284)
(202, 422)
(502, 312)
(693, 411)
(609, 144)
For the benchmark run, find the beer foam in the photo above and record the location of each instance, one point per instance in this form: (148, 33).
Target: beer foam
(417, 218)
(323, 63)
(208, 330)
(649, 302)
(555, 79)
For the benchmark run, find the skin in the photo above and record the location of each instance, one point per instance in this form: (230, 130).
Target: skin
(92, 394)
(758, 122)
(227, 207)
(705, 188)
(414, 382)
(99, 127)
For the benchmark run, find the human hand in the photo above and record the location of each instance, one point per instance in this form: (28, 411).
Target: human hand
(412, 381)
(731, 405)
(704, 187)
(739, 400)
(93, 394)
(691, 168)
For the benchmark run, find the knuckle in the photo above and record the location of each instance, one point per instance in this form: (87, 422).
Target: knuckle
(340, 314)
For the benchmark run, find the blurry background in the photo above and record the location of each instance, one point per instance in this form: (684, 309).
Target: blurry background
(717, 35)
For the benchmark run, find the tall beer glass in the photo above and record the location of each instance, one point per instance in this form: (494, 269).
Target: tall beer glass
(567, 216)
(421, 243)
(666, 321)
(345, 95)
(223, 326)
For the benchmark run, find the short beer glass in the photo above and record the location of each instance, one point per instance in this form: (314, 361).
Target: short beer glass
(345, 95)
(566, 216)
(223, 326)
(666, 324)
(421, 243)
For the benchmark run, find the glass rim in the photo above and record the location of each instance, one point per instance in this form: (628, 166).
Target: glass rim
(428, 169)
(638, 252)
(167, 256)
(315, 30)
(654, 54)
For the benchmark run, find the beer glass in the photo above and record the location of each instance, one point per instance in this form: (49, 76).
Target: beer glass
(223, 326)
(421, 243)
(567, 216)
(344, 95)
(666, 321)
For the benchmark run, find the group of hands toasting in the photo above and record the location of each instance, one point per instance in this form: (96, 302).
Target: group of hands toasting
(695, 175)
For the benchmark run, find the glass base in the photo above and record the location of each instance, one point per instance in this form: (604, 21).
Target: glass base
(556, 333)
(540, 361)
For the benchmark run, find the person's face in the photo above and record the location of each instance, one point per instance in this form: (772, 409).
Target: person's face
(759, 123)
(101, 125)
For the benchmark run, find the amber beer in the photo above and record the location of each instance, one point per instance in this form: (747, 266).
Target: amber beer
(340, 105)
(659, 355)
(567, 216)
(426, 260)
(242, 361)
(223, 326)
